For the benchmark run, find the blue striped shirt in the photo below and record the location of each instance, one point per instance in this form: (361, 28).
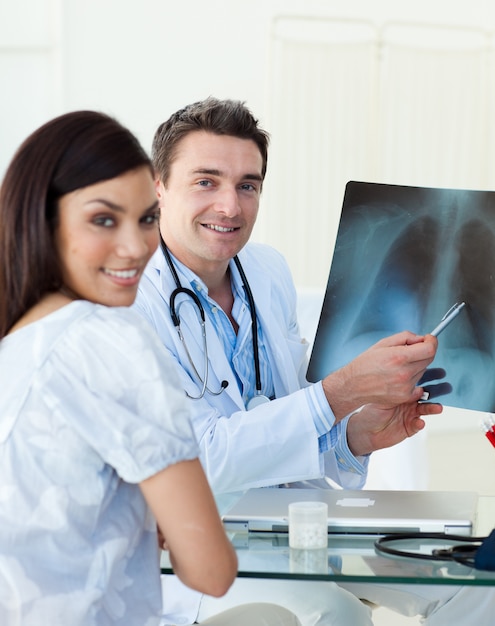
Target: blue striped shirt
(238, 346)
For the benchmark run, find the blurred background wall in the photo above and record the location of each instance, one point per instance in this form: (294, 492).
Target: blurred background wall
(383, 91)
(387, 91)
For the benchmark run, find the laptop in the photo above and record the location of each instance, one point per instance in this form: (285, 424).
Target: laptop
(358, 512)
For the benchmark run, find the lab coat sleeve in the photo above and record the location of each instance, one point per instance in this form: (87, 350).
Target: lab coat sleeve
(269, 445)
(275, 443)
(341, 466)
(272, 444)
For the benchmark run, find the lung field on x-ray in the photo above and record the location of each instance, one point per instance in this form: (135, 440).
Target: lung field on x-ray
(403, 257)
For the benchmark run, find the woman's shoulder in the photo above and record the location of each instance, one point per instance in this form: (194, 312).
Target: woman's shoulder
(83, 328)
(110, 330)
(110, 349)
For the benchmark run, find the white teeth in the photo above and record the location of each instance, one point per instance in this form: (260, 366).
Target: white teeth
(121, 273)
(220, 229)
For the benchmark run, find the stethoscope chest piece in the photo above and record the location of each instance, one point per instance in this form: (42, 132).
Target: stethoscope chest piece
(256, 401)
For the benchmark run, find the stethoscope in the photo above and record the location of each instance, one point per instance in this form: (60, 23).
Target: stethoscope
(257, 399)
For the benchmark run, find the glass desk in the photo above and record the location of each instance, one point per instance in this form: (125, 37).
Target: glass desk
(354, 558)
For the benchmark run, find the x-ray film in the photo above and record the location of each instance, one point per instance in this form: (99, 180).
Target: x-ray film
(403, 256)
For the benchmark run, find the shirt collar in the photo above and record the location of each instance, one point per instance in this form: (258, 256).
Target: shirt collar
(199, 285)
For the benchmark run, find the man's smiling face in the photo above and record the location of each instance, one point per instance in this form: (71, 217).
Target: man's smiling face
(210, 203)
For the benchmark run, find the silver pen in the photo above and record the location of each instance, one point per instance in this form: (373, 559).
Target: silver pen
(451, 314)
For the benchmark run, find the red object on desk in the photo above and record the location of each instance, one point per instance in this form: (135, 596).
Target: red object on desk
(489, 428)
(490, 435)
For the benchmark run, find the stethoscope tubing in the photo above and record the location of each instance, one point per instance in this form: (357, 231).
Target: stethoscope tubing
(254, 324)
(176, 321)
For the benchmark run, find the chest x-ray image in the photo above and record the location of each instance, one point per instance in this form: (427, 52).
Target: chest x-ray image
(403, 256)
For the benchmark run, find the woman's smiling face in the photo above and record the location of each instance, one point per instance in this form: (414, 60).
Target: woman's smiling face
(106, 234)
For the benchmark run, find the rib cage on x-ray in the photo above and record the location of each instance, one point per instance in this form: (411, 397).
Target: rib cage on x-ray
(403, 257)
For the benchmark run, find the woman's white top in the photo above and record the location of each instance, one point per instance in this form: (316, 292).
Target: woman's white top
(89, 406)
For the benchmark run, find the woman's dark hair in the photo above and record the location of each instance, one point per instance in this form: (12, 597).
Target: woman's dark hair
(67, 153)
(220, 117)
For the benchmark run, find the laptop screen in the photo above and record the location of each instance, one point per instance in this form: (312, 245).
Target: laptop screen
(403, 256)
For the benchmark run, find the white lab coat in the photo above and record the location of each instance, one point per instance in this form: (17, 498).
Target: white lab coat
(275, 443)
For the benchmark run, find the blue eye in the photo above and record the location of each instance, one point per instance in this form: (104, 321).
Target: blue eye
(249, 187)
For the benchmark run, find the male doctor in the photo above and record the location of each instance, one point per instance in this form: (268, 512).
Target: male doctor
(257, 420)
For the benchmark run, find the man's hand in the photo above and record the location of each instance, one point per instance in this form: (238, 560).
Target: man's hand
(376, 427)
(387, 374)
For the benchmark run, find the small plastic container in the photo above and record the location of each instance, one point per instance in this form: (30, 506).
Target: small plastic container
(313, 561)
(308, 525)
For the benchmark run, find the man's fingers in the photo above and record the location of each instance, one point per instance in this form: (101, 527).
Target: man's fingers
(404, 338)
